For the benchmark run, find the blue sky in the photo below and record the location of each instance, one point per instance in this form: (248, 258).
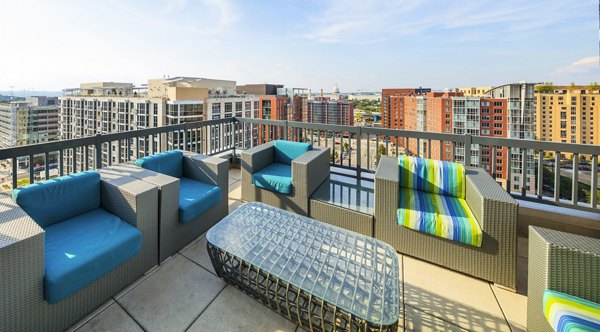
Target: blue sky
(360, 45)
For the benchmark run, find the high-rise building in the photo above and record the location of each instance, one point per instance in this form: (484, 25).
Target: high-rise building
(34, 120)
(259, 89)
(475, 91)
(106, 107)
(504, 112)
(392, 109)
(326, 111)
(568, 114)
(223, 106)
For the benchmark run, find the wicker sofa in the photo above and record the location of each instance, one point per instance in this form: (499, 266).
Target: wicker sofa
(564, 269)
(494, 210)
(66, 256)
(206, 174)
(304, 171)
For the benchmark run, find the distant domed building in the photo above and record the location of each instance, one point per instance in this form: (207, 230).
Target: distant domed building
(336, 90)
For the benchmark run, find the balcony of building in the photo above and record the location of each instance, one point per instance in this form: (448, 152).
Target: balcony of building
(185, 294)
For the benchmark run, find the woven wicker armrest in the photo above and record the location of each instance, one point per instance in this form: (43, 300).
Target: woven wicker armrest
(257, 158)
(387, 190)
(16, 227)
(562, 262)
(310, 170)
(495, 210)
(131, 199)
(129, 169)
(211, 170)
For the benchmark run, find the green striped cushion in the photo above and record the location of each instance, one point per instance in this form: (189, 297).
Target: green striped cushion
(444, 216)
(433, 176)
(569, 313)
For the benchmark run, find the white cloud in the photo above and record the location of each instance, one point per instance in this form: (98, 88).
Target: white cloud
(581, 66)
(367, 21)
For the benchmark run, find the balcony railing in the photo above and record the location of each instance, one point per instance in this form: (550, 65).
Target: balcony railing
(353, 147)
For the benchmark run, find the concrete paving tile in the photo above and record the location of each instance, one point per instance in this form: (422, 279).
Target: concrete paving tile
(417, 320)
(453, 297)
(514, 306)
(89, 316)
(235, 190)
(232, 180)
(235, 173)
(113, 318)
(198, 253)
(233, 310)
(136, 283)
(522, 247)
(172, 297)
(234, 204)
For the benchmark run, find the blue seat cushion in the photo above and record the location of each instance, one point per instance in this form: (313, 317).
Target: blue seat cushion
(82, 249)
(286, 151)
(169, 163)
(276, 177)
(195, 198)
(51, 201)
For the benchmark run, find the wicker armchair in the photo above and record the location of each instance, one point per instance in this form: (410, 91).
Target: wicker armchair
(174, 234)
(23, 306)
(308, 171)
(494, 210)
(560, 262)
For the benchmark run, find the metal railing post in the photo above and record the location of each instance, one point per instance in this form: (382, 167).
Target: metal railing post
(285, 130)
(358, 149)
(98, 147)
(468, 139)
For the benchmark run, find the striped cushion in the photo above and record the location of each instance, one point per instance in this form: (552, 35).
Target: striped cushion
(569, 313)
(433, 176)
(444, 216)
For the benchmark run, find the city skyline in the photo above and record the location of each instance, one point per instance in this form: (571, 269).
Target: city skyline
(359, 46)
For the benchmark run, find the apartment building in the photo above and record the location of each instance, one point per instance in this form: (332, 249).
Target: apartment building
(34, 120)
(568, 114)
(392, 108)
(475, 91)
(326, 111)
(259, 89)
(505, 111)
(107, 107)
(224, 106)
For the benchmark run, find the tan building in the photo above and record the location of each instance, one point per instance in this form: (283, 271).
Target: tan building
(568, 114)
(476, 91)
(107, 107)
(31, 121)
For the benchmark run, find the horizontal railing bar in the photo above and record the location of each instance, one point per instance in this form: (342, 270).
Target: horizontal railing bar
(21, 151)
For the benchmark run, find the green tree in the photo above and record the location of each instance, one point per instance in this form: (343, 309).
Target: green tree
(381, 151)
(346, 145)
(359, 116)
(594, 86)
(334, 156)
(545, 87)
(572, 87)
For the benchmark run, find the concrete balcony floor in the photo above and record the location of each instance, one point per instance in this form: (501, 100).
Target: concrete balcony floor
(184, 294)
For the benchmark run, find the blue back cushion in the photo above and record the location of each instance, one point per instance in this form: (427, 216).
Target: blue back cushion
(286, 151)
(169, 163)
(52, 201)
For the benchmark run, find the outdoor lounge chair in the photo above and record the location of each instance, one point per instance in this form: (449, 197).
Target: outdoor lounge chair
(564, 281)
(68, 244)
(284, 174)
(448, 215)
(192, 194)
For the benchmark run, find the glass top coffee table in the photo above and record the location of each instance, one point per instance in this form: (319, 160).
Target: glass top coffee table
(345, 200)
(317, 275)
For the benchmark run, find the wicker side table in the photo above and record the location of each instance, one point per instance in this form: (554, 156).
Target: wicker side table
(321, 277)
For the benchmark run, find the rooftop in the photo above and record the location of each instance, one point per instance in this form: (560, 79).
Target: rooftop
(184, 294)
